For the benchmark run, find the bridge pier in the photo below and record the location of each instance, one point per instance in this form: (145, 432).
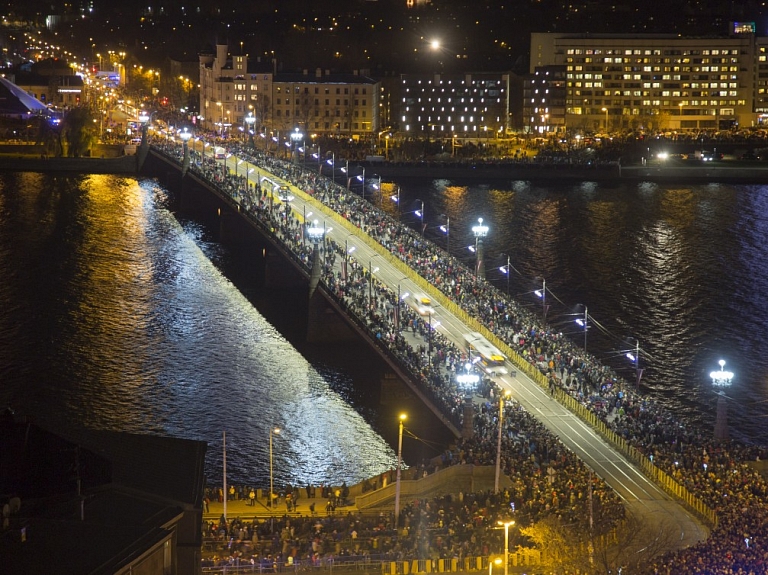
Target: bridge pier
(232, 228)
(468, 430)
(324, 324)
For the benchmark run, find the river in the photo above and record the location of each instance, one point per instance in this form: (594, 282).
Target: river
(116, 313)
(683, 269)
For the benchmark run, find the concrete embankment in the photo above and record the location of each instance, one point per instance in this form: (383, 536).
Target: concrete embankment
(120, 165)
(551, 173)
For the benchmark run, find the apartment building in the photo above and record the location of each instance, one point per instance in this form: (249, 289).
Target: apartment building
(234, 89)
(655, 81)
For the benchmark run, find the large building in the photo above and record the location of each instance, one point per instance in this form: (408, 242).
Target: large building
(450, 106)
(657, 82)
(236, 92)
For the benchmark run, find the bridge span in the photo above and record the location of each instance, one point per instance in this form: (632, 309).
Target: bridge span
(266, 198)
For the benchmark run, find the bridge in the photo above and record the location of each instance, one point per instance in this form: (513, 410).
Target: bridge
(363, 288)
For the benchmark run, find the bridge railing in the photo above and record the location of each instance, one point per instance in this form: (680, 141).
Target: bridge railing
(658, 476)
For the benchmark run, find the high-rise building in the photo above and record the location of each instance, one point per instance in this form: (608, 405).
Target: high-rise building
(655, 82)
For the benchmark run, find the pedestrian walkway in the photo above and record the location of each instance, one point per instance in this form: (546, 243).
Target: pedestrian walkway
(305, 507)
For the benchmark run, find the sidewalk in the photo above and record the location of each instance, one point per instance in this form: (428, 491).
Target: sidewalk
(241, 508)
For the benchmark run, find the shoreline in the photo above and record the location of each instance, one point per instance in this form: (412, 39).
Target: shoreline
(735, 174)
(546, 173)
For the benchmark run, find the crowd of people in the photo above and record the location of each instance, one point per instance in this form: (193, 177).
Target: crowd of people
(717, 472)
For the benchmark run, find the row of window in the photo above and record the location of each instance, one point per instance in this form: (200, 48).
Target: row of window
(651, 52)
(648, 61)
(337, 113)
(297, 89)
(658, 105)
(287, 102)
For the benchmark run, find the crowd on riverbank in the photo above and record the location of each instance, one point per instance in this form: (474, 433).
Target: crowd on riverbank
(715, 471)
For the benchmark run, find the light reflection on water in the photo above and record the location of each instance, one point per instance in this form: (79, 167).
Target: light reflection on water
(123, 322)
(681, 268)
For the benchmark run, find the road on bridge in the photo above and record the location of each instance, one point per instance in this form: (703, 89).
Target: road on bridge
(640, 494)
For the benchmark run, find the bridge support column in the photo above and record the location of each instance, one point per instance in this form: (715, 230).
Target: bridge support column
(468, 431)
(232, 228)
(480, 260)
(324, 324)
(314, 273)
(721, 420)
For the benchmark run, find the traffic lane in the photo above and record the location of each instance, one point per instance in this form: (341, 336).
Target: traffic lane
(628, 481)
(624, 478)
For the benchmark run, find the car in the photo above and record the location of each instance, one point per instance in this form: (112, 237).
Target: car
(423, 305)
(284, 194)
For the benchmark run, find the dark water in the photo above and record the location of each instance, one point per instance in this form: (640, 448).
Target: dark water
(114, 316)
(684, 269)
(116, 313)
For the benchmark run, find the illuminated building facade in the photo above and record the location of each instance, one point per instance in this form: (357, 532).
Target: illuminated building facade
(652, 81)
(321, 102)
(454, 105)
(544, 95)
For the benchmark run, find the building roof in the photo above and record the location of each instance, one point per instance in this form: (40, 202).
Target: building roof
(133, 489)
(314, 78)
(16, 102)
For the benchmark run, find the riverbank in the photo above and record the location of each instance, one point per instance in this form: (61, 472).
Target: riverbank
(725, 172)
(25, 163)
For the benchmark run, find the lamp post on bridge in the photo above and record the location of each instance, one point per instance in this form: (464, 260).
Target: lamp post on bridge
(720, 380)
(506, 525)
(185, 135)
(585, 324)
(446, 229)
(506, 393)
(480, 232)
(402, 418)
(272, 431)
(506, 271)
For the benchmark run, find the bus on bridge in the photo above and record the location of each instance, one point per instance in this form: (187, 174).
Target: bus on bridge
(492, 361)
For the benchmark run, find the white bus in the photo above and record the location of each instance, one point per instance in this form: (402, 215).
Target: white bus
(491, 359)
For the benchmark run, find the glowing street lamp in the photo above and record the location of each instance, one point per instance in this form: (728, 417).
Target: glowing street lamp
(403, 417)
(272, 431)
(585, 324)
(480, 232)
(721, 379)
(506, 525)
(506, 393)
(420, 214)
(496, 561)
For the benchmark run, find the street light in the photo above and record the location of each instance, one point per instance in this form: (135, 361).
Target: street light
(250, 120)
(606, 119)
(446, 229)
(506, 525)
(480, 232)
(542, 293)
(362, 179)
(400, 299)
(506, 270)
(296, 137)
(635, 358)
(272, 431)
(496, 561)
(585, 324)
(396, 199)
(419, 213)
(185, 135)
(720, 380)
(403, 417)
(371, 271)
(506, 393)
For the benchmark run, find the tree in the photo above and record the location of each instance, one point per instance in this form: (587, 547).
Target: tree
(79, 131)
(629, 544)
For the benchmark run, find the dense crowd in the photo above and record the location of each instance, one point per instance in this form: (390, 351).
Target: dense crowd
(717, 472)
